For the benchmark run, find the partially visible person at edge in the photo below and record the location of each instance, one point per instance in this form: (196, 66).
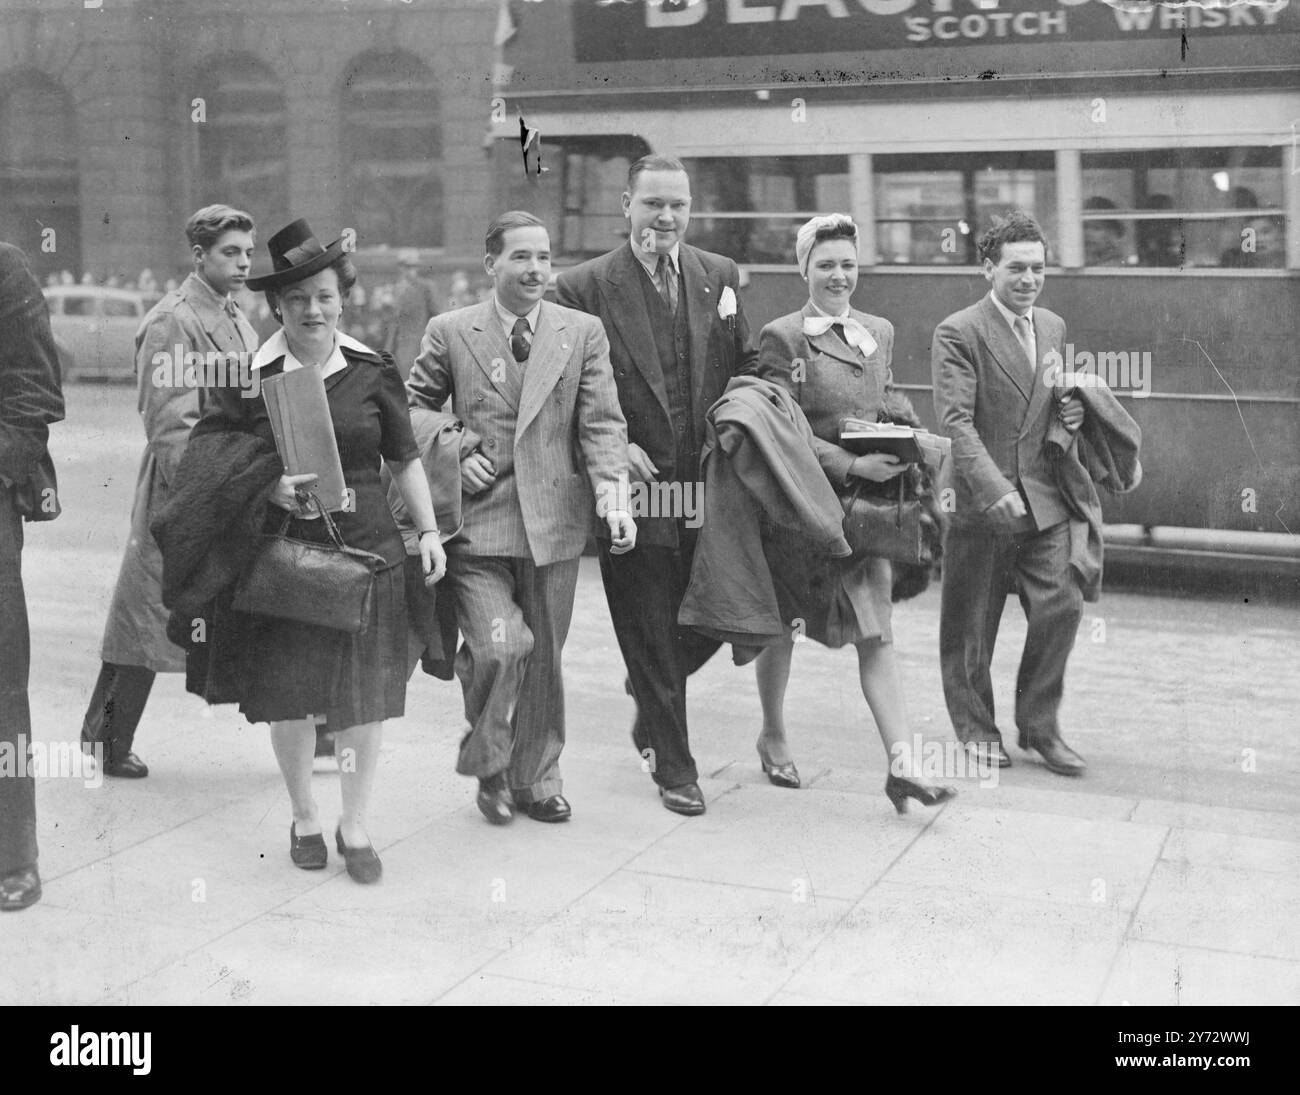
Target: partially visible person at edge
(202, 319)
(844, 371)
(677, 335)
(292, 671)
(31, 398)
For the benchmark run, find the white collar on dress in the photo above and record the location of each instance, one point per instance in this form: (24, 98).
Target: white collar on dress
(277, 346)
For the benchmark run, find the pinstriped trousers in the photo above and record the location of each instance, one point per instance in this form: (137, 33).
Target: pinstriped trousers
(515, 617)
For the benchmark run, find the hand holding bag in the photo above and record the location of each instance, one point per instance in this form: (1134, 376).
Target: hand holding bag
(889, 528)
(328, 585)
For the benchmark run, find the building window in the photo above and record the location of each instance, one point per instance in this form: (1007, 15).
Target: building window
(392, 148)
(40, 208)
(1206, 207)
(931, 209)
(242, 159)
(750, 208)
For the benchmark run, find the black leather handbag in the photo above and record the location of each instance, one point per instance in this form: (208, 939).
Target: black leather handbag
(887, 527)
(328, 585)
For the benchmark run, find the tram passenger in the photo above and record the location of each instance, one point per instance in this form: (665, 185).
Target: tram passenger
(1103, 241)
(677, 335)
(1160, 241)
(845, 358)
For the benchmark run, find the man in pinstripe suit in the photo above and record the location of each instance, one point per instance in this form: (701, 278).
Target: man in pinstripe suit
(533, 380)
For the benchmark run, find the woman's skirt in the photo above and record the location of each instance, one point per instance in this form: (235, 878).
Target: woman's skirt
(297, 670)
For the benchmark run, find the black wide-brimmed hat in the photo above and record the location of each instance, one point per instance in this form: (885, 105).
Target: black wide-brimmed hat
(296, 254)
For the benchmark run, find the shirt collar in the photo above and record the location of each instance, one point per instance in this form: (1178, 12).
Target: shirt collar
(1009, 315)
(203, 297)
(277, 346)
(508, 317)
(650, 259)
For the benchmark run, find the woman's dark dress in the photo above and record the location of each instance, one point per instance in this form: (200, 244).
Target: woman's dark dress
(296, 670)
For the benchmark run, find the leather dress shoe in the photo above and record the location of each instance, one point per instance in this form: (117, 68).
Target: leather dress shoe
(494, 800)
(1058, 756)
(128, 767)
(19, 889)
(779, 775)
(686, 799)
(989, 753)
(551, 808)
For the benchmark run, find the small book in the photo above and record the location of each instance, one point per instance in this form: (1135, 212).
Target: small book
(304, 431)
(861, 437)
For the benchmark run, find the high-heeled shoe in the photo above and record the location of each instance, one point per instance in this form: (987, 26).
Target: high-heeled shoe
(899, 790)
(779, 775)
(363, 864)
(307, 852)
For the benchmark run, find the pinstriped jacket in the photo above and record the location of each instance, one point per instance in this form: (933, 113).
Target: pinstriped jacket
(551, 427)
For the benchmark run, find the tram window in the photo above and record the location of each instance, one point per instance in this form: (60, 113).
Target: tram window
(1202, 207)
(750, 208)
(931, 209)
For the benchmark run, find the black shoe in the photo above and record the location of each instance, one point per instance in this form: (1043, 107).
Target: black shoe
(779, 775)
(494, 800)
(19, 889)
(1058, 756)
(129, 767)
(900, 790)
(552, 808)
(988, 753)
(686, 799)
(363, 863)
(307, 852)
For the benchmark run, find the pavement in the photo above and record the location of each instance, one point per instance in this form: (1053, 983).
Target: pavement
(1166, 875)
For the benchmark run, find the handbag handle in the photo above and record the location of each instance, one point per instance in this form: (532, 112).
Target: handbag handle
(330, 526)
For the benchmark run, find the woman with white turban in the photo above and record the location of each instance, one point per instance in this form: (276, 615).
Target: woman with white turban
(835, 361)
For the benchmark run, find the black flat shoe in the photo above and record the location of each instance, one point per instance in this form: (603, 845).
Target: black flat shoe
(552, 808)
(363, 864)
(494, 801)
(779, 775)
(687, 799)
(129, 767)
(19, 889)
(307, 852)
(900, 790)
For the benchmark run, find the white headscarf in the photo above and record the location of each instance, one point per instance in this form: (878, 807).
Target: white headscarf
(803, 243)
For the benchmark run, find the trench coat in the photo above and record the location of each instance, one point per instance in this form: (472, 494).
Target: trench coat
(196, 319)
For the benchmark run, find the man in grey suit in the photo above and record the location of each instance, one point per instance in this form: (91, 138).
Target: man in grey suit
(1010, 527)
(533, 380)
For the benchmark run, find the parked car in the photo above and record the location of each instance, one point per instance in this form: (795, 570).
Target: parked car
(94, 330)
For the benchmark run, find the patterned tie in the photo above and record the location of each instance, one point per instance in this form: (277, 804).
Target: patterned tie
(519, 344)
(1021, 327)
(666, 280)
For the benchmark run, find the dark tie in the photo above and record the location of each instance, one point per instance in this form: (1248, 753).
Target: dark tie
(519, 339)
(666, 280)
(1021, 327)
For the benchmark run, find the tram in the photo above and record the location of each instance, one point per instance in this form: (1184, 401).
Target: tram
(1158, 145)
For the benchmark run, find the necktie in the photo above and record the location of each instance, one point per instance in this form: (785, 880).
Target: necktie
(1025, 338)
(853, 332)
(666, 280)
(519, 344)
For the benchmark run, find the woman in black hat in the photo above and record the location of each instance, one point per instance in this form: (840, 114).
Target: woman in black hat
(297, 671)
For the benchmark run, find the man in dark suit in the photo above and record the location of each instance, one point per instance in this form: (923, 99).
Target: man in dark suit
(677, 335)
(532, 380)
(30, 399)
(995, 399)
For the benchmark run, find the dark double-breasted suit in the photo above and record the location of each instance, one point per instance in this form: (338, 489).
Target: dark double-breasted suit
(552, 428)
(669, 370)
(997, 410)
(31, 397)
